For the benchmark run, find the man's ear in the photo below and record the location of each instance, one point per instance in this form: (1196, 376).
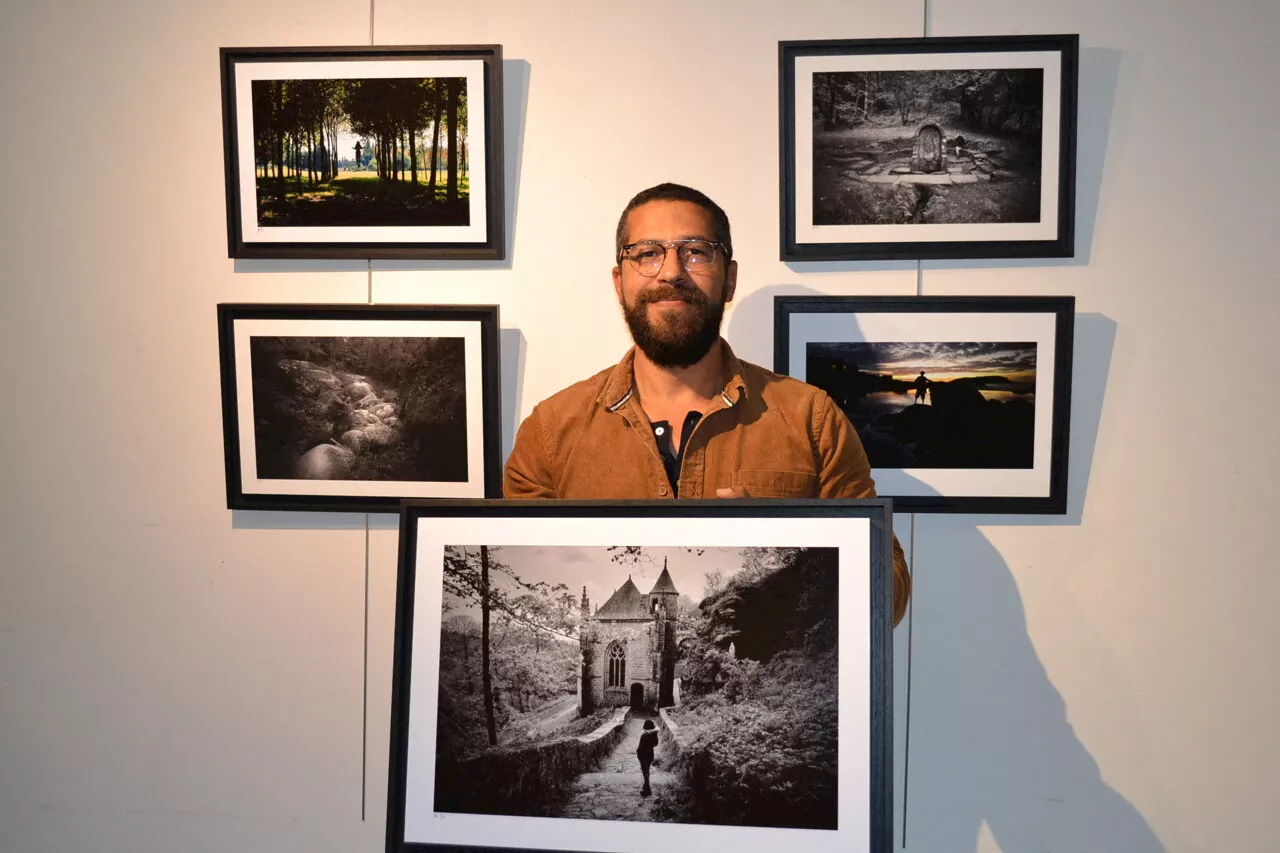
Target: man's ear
(730, 280)
(617, 282)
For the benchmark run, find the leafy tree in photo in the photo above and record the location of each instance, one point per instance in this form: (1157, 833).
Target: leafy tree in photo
(522, 651)
(298, 125)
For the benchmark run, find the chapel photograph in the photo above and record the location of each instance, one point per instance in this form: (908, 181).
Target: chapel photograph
(636, 683)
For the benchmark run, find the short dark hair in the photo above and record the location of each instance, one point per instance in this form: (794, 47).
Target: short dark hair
(676, 192)
(648, 724)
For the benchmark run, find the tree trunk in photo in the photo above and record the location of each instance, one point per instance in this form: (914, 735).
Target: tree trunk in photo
(466, 663)
(451, 191)
(278, 88)
(485, 675)
(435, 147)
(413, 155)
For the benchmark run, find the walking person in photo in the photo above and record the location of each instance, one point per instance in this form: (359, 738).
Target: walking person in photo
(644, 752)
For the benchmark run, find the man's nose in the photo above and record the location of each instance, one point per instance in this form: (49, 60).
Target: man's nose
(671, 269)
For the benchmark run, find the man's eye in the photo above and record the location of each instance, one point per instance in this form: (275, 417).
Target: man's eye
(644, 255)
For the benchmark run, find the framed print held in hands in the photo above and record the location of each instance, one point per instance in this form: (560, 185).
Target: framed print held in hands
(611, 676)
(962, 403)
(928, 148)
(356, 407)
(364, 152)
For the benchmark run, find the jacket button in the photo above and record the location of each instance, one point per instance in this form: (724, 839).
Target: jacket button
(662, 490)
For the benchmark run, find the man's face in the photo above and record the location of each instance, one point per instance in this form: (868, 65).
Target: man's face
(674, 316)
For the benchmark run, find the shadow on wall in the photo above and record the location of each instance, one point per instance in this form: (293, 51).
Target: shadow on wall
(988, 732)
(990, 741)
(512, 358)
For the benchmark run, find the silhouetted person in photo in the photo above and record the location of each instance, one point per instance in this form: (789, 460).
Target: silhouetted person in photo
(358, 163)
(644, 752)
(922, 387)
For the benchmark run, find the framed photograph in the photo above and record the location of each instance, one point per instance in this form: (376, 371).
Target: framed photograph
(928, 148)
(363, 152)
(617, 676)
(357, 407)
(962, 402)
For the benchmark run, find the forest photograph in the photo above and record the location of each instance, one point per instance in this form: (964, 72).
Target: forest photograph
(359, 408)
(921, 404)
(927, 147)
(639, 683)
(377, 151)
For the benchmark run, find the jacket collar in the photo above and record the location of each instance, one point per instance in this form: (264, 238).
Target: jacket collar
(620, 386)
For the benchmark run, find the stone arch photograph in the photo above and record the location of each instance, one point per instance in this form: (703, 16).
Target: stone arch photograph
(928, 148)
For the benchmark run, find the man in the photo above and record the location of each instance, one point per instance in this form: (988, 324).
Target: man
(680, 415)
(922, 384)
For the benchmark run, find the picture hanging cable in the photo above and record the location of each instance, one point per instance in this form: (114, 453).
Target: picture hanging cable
(906, 744)
(364, 683)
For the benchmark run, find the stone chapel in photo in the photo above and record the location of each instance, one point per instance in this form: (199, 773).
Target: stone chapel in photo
(629, 647)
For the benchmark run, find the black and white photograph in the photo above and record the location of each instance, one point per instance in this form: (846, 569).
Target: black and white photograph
(961, 403)
(349, 406)
(363, 152)
(928, 148)
(683, 688)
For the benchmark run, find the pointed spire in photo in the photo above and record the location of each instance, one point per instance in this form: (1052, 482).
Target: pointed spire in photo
(664, 584)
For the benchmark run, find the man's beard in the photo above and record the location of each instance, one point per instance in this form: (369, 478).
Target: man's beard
(677, 340)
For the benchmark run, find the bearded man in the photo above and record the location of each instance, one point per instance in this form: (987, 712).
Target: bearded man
(680, 415)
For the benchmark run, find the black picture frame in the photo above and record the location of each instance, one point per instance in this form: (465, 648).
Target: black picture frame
(861, 532)
(371, 217)
(365, 429)
(853, 188)
(964, 456)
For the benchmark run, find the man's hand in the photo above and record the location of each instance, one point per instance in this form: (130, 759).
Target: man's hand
(731, 492)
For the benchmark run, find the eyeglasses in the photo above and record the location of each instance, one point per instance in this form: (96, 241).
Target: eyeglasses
(649, 255)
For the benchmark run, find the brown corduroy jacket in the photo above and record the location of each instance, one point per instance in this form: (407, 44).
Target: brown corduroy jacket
(772, 435)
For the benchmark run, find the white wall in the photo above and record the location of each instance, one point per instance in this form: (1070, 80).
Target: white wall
(174, 676)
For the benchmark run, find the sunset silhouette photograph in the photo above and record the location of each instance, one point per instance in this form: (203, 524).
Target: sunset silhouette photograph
(934, 404)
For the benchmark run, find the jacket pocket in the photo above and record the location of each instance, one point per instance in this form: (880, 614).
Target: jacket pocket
(777, 484)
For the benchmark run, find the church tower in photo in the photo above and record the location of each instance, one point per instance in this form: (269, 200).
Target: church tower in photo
(629, 647)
